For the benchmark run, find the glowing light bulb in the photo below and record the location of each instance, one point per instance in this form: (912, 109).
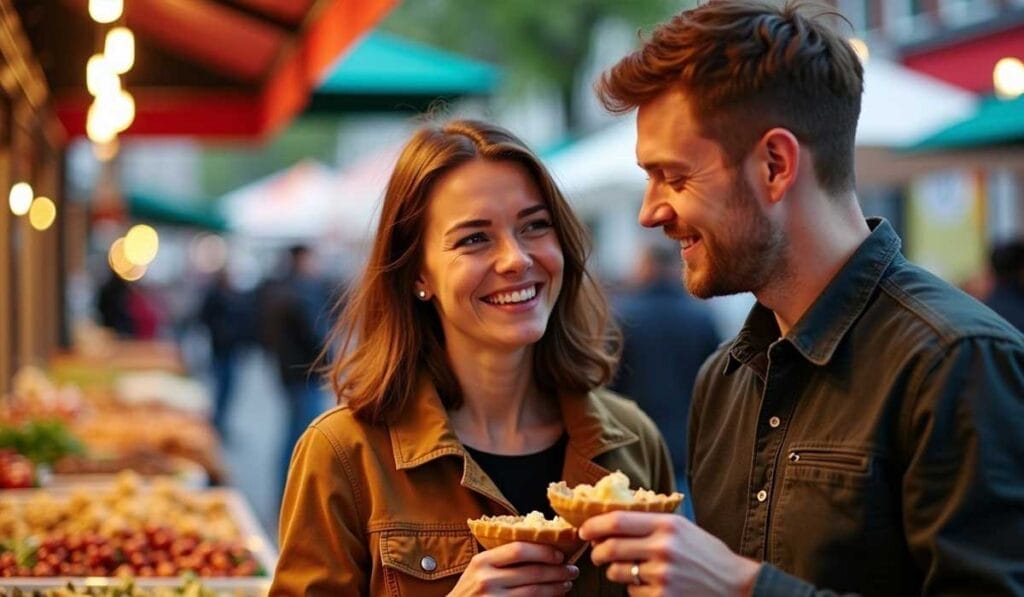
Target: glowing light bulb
(100, 78)
(119, 49)
(106, 11)
(21, 198)
(42, 213)
(1008, 78)
(141, 244)
(100, 123)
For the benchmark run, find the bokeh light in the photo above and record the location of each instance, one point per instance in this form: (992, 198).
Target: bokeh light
(860, 48)
(106, 11)
(21, 198)
(141, 244)
(1008, 78)
(42, 213)
(209, 253)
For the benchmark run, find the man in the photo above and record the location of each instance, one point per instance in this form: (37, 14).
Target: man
(862, 433)
(667, 335)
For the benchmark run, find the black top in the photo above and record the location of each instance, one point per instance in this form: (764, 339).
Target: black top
(523, 479)
(876, 448)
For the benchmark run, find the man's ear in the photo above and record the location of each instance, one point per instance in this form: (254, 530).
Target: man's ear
(778, 155)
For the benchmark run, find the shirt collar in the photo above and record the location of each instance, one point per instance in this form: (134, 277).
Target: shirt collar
(818, 333)
(423, 432)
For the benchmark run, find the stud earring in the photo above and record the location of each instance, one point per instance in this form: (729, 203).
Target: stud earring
(422, 294)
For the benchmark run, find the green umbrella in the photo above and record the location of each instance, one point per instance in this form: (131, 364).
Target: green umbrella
(175, 212)
(996, 122)
(387, 73)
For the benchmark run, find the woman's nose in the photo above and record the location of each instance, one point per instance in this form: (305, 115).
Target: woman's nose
(513, 258)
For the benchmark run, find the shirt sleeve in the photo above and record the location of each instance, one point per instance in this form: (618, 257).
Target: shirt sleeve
(963, 485)
(772, 582)
(322, 551)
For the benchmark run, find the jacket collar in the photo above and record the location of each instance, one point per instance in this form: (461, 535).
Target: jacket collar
(818, 333)
(423, 432)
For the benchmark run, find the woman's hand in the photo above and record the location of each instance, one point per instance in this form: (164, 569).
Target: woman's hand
(517, 568)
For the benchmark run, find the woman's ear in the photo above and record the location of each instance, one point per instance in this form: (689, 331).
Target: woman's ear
(778, 155)
(421, 290)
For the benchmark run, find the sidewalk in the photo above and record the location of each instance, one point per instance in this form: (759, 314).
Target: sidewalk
(255, 431)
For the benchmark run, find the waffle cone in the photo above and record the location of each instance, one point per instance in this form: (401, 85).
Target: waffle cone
(492, 531)
(577, 510)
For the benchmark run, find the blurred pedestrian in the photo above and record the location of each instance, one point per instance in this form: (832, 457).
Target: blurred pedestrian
(295, 318)
(667, 334)
(221, 313)
(1007, 295)
(112, 305)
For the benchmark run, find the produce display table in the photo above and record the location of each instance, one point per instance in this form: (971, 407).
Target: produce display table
(99, 534)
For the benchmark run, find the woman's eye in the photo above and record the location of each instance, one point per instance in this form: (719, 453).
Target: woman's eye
(472, 239)
(537, 225)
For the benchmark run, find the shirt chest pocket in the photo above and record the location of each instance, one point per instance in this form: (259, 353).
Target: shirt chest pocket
(424, 562)
(831, 498)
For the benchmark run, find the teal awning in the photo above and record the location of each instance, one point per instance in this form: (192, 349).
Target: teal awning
(175, 212)
(996, 122)
(385, 72)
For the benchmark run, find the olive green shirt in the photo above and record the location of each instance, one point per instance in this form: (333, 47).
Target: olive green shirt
(876, 448)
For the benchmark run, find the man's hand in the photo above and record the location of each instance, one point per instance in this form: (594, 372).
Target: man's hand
(673, 555)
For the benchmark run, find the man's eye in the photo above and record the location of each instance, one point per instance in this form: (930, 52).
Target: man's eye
(472, 239)
(676, 183)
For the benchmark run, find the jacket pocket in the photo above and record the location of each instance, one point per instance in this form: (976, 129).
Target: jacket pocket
(424, 562)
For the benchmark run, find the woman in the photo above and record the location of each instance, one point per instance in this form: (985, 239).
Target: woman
(472, 352)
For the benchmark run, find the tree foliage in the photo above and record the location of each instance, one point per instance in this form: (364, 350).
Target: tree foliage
(534, 40)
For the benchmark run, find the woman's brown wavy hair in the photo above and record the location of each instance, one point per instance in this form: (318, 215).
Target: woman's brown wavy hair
(386, 337)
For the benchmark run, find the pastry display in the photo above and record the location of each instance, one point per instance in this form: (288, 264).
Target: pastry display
(610, 493)
(492, 531)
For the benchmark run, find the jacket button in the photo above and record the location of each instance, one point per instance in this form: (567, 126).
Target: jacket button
(428, 563)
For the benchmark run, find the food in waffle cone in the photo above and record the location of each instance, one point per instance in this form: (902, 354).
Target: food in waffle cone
(610, 493)
(492, 531)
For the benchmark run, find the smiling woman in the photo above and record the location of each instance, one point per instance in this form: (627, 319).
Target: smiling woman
(491, 259)
(472, 355)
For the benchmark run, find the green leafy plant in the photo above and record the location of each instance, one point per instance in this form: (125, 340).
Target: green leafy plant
(41, 441)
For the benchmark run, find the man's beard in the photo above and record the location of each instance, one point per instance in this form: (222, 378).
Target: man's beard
(744, 256)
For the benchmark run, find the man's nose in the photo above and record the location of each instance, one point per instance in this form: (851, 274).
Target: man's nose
(654, 212)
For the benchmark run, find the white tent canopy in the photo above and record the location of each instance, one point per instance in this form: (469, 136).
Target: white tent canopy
(311, 201)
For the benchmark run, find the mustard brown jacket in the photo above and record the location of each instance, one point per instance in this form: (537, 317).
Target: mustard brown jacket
(381, 510)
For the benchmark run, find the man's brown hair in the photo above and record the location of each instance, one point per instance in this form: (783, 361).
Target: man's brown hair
(388, 338)
(747, 67)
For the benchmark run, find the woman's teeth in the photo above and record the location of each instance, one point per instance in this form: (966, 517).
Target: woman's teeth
(509, 298)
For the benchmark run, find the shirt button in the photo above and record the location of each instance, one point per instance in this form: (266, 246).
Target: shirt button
(428, 563)
(774, 422)
(762, 495)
